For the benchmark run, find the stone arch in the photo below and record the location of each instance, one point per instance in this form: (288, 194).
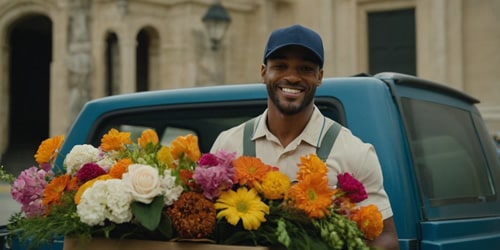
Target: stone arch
(147, 59)
(26, 31)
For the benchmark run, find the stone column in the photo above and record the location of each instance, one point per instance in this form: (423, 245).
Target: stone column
(79, 63)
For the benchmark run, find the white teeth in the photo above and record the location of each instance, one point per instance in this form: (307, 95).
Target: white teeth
(292, 91)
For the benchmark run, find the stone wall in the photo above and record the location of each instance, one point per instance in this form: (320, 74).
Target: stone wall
(458, 43)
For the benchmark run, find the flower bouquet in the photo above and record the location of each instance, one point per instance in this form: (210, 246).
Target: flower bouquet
(147, 191)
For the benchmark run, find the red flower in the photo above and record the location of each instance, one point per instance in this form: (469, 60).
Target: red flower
(353, 188)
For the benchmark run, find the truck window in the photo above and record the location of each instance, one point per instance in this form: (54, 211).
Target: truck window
(449, 161)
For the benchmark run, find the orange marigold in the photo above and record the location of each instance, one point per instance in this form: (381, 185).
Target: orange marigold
(115, 140)
(148, 136)
(369, 220)
(119, 168)
(47, 151)
(248, 170)
(186, 145)
(312, 195)
(311, 164)
(54, 190)
(274, 185)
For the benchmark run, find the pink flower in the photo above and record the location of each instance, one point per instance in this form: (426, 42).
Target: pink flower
(89, 171)
(215, 173)
(28, 189)
(353, 188)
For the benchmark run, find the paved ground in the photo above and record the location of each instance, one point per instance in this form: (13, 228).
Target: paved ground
(7, 205)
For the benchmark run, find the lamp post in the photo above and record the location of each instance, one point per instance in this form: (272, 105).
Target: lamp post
(216, 21)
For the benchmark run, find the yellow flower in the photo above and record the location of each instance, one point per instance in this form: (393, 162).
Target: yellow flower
(186, 145)
(243, 204)
(274, 185)
(165, 156)
(115, 140)
(48, 149)
(148, 136)
(312, 195)
(311, 164)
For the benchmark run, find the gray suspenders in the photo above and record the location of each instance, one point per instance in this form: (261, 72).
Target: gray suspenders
(322, 151)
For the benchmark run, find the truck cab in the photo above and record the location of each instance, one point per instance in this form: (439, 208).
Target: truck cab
(440, 167)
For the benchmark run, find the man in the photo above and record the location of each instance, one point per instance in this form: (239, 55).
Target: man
(292, 125)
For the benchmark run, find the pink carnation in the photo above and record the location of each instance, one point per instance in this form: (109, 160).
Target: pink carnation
(215, 173)
(28, 189)
(89, 171)
(353, 188)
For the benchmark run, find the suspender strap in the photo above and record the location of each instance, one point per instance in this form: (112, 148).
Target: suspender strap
(248, 144)
(328, 140)
(323, 150)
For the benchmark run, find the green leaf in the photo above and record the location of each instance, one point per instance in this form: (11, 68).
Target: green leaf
(165, 227)
(148, 215)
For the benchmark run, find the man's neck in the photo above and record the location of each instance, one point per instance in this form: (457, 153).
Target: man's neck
(287, 127)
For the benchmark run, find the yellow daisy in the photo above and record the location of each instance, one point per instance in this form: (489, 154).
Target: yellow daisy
(243, 204)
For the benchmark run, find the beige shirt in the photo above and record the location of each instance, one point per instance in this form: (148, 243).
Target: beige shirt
(349, 154)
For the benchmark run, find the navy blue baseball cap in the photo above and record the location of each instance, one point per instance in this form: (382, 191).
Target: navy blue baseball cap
(295, 35)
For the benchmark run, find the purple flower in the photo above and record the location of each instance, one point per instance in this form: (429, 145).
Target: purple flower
(353, 188)
(215, 173)
(89, 171)
(28, 190)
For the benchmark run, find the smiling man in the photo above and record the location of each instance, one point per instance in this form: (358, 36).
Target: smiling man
(292, 126)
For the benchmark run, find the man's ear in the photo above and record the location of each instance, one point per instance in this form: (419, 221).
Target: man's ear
(263, 70)
(320, 78)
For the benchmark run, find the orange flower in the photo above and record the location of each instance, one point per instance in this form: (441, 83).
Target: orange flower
(148, 136)
(115, 140)
(186, 145)
(119, 168)
(249, 170)
(312, 195)
(311, 164)
(48, 149)
(369, 220)
(54, 190)
(86, 185)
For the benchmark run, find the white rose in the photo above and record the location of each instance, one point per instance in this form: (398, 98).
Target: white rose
(79, 155)
(143, 182)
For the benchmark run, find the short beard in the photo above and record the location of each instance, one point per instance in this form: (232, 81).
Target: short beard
(291, 110)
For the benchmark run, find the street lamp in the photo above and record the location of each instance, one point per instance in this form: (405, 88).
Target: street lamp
(216, 22)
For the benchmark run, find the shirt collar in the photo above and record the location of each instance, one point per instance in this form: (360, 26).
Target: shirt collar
(310, 135)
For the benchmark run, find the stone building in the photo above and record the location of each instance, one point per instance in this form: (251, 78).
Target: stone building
(57, 54)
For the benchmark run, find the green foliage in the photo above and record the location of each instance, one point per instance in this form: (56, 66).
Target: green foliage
(148, 215)
(6, 176)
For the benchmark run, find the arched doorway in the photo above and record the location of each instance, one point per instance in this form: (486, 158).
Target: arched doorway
(147, 62)
(30, 43)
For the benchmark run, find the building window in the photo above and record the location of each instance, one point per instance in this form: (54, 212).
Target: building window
(391, 41)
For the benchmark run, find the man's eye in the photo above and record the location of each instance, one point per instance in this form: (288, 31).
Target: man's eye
(280, 66)
(307, 69)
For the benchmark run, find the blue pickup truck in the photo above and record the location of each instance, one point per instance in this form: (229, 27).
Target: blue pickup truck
(440, 166)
